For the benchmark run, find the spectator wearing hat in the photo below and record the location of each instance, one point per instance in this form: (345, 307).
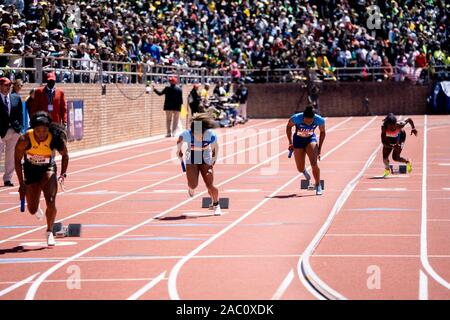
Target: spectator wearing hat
(11, 123)
(51, 100)
(194, 99)
(172, 104)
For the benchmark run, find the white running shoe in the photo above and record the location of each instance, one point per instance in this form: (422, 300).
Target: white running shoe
(217, 211)
(39, 214)
(191, 192)
(307, 175)
(50, 239)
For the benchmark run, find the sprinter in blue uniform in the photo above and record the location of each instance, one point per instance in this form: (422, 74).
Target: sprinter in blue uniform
(201, 155)
(304, 142)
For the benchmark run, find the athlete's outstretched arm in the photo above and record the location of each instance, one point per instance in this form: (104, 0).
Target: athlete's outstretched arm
(289, 126)
(19, 152)
(214, 152)
(64, 159)
(413, 127)
(179, 144)
(321, 138)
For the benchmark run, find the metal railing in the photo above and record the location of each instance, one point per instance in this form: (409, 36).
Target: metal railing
(74, 70)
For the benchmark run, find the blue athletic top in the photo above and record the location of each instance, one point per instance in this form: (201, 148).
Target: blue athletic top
(203, 146)
(302, 129)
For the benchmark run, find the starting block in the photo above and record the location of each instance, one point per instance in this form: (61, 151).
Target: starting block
(401, 169)
(309, 184)
(223, 202)
(71, 230)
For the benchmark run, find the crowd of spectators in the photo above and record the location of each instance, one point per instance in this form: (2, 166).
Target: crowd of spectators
(227, 37)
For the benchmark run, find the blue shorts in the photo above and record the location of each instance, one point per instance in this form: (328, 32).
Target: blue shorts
(301, 143)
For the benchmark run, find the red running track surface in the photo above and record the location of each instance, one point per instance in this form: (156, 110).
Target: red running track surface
(144, 238)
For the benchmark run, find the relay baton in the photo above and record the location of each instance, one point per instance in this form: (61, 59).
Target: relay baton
(183, 166)
(22, 204)
(290, 153)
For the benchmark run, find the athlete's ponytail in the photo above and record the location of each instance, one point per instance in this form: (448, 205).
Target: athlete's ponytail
(309, 112)
(390, 119)
(59, 139)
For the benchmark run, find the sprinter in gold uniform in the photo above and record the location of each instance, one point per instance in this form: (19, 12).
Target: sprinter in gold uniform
(39, 168)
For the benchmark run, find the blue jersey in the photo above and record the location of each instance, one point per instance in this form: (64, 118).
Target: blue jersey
(302, 129)
(202, 146)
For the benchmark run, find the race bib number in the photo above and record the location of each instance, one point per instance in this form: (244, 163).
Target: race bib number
(37, 159)
(304, 133)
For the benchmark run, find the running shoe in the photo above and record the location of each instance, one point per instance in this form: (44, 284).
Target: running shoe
(386, 173)
(217, 211)
(409, 167)
(50, 239)
(307, 175)
(319, 191)
(39, 214)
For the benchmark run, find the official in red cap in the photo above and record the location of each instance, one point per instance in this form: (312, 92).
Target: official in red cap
(51, 100)
(172, 104)
(5, 81)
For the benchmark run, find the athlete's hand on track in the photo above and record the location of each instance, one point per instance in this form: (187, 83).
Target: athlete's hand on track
(414, 131)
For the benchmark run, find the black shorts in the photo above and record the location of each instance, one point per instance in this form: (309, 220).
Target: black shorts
(196, 157)
(301, 143)
(34, 173)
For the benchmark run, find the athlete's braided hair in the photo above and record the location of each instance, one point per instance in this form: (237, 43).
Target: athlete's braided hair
(390, 119)
(42, 118)
(206, 121)
(309, 112)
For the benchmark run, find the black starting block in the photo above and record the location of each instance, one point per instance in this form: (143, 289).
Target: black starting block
(310, 185)
(71, 230)
(401, 169)
(223, 202)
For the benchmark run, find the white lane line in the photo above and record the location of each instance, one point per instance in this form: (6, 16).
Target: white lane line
(126, 145)
(171, 191)
(284, 285)
(279, 256)
(241, 190)
(173, 292)
(444, 164)
(147, 287)
(35, 286)
(304, 268)
(91, 280)
(370, 235)
(423, 231)
(126, 194)
(388, 189)
(131, 172)
(423, 286)
(17, 285)
(446, 189)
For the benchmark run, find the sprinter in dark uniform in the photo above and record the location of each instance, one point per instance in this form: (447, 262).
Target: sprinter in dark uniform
(304, 142)
(39, 168)
(201, 155)
(393, 137)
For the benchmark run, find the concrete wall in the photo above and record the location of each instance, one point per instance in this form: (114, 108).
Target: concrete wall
(338, 99)
(125, 113)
